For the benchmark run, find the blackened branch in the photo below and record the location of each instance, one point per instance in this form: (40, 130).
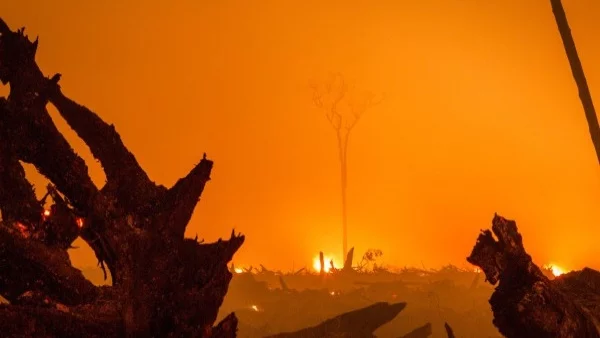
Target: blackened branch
(181, 199)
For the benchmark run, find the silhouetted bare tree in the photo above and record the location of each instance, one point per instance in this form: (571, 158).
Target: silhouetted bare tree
(330, 96)
(578, 74)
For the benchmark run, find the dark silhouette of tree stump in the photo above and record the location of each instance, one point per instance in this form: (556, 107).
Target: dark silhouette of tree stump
(163, 284)
(526, 303)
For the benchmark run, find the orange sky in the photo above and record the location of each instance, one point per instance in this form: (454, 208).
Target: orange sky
(481, 116)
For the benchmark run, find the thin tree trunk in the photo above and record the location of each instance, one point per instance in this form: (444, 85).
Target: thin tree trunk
(578, 74)
(343, 150)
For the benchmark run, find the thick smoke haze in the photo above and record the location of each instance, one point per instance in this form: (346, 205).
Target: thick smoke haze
(481, 116)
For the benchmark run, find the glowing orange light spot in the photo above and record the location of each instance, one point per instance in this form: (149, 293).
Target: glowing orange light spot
(238, 270)
(22, 229)
(556, 270)
(21, 226)
(327, 267)
(46, 213)
(80, 222)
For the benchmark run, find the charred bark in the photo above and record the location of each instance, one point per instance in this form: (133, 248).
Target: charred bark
(164, 284)
(26, 321)
(29, 265)
(526, 303)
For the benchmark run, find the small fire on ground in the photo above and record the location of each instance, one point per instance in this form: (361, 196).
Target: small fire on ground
(327, 262)
(79, 220)
(556, 270)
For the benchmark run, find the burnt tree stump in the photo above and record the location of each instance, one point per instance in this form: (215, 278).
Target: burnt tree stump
(526, 303)
(163, 284)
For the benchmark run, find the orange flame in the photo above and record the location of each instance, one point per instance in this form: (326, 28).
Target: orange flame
(80, 222)
(21, 226)
(556, 270)
(46, 213)
(22, 229)
(326, 260)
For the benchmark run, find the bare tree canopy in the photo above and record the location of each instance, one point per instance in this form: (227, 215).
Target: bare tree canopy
(342, 103)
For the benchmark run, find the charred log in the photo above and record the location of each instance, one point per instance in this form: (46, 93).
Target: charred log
(358, 323)
(420, 332)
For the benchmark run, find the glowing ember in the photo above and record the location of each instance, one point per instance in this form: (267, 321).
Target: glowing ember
(80, 222)
(477, 270)
(332, 293)
(22, 229)
(556, 270)
(238, 270)
(327, 259)
(254, 307)
(46, 212)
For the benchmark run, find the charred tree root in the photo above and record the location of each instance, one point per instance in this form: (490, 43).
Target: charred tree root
(163, 284)
(28, 265)
(528, 304)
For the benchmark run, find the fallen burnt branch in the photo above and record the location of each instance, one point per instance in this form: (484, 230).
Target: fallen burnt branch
(420, 332)
(358, 323)
(526, 303)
